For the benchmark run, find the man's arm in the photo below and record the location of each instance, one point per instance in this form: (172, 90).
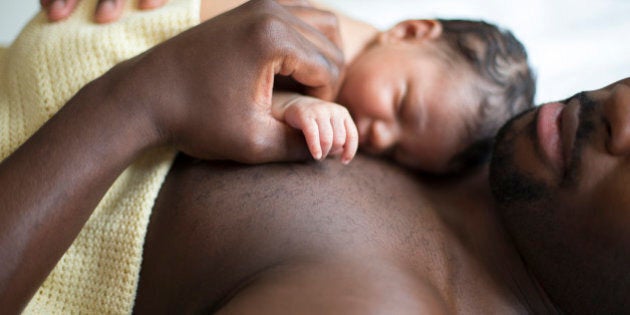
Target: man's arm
(176, 94)
(54, 181)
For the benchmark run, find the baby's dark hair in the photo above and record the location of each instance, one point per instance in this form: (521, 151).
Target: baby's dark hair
(507, 83)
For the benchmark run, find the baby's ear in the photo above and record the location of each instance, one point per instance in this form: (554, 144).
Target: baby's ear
(415, 30)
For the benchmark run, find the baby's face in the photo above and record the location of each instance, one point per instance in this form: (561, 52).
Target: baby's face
(408, 103)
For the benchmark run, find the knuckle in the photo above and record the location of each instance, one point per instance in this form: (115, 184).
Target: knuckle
(265, 31)
(339, 140)
(256, 147)
(253, 138)
(326, 143)
(326, 139)
(352, 138)
(343, 112)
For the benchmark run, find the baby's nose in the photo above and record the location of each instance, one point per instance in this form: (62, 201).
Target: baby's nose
(383, 136)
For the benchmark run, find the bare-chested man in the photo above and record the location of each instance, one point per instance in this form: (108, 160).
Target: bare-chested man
(371, 238)
(322, 237)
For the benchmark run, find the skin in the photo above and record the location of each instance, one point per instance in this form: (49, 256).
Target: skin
(393, 97)
(252, 240)
(106, 11)
(64, 161)
(392, 101)
(442, 241)
(395, 91)
(227, 239)
(574, 235)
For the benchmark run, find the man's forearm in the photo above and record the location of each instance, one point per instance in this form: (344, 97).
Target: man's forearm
(53, 182)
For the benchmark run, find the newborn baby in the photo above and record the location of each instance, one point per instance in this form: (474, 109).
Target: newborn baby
(429, 93)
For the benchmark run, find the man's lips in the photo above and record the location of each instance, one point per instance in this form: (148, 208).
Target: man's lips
(548, 127)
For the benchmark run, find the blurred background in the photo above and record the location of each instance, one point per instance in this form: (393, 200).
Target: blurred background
(573, 45)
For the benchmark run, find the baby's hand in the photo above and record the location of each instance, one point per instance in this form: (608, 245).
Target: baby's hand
(327, 127)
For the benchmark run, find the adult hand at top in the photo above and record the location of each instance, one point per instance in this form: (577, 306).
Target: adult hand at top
(106, 10)
(208, 90)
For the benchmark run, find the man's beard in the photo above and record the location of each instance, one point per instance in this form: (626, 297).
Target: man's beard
(565, 260)
(510, 186)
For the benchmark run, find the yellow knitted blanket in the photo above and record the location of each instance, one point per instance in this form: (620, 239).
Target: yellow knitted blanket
(39, 72)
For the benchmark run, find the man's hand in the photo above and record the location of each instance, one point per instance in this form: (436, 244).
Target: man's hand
(206, 92)
(215, 82)
(327, 127)
(324, 21)
(106, 10)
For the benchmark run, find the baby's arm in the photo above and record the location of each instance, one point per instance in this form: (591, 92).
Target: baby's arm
(327, 127)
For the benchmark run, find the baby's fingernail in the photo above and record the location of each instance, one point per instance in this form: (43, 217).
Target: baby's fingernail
(318, 156)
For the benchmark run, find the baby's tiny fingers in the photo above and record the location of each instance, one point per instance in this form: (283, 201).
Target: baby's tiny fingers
(339, 134)
(352, 141)
(311, 134)
(325, 135)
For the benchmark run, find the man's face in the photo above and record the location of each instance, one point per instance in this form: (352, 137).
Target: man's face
(561, 176)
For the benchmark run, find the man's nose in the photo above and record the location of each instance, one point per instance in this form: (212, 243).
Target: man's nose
(383, 136)
(617, 114)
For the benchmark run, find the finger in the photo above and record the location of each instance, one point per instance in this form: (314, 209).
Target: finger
(108, 10)
(150, 4)
(325, 135)
(321, 28)
(310, 129)
(280, 142)
(323, 21)
(57, 10)
(352, 141)
(316, 62)
(339, 134)
(307, 65)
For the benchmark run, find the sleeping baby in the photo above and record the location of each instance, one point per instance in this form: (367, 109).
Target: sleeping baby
(428, 93)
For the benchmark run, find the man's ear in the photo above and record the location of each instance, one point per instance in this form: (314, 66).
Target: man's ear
(415, 30)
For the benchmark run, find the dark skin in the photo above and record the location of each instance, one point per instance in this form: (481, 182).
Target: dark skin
(276, 238)
(101, 130)
(322, 238)
(306, 238)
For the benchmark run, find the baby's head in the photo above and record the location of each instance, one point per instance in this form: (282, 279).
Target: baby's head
(432, 93)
